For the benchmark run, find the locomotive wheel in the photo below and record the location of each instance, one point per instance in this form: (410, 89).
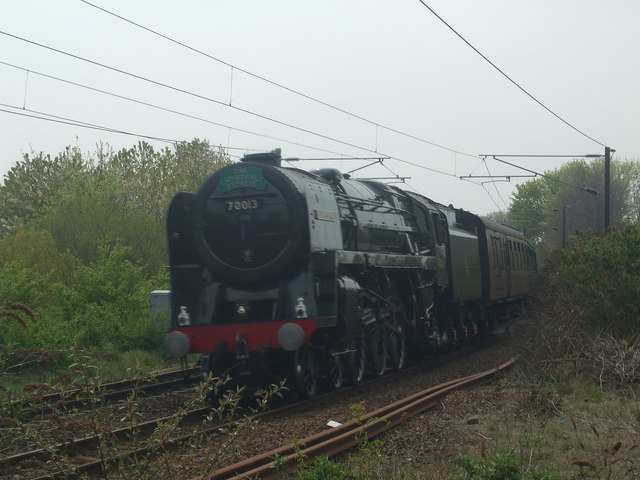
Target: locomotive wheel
(449, 340)
(305, 373)
(396, 338)
(356, 361)
(377, 347)
(336, 372)
(397, 348)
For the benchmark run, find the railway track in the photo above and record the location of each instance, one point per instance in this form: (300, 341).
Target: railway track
(336, 440)
(108, 392)
(73, 406)
(82, 456)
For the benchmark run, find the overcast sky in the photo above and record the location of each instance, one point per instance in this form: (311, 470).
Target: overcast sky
(424, 98)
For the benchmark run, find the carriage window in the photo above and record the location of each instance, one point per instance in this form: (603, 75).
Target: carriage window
(493, 251)
(521, 256)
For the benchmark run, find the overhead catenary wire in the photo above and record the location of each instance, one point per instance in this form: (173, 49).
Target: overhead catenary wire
(490, 196)
(186, 92)
(508, 77)
(234, 67)
(276, 84)
(544, 175)
(165, 109)
(68, 121)
(196, 118)
(37, 115)
(338, 109)
(494, 186)
(421, 166)
(203, 97)
(63, 120)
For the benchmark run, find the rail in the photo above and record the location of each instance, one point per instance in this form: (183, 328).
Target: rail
(339, 439)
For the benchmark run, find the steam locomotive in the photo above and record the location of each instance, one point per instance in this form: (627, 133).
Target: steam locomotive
(318, 278)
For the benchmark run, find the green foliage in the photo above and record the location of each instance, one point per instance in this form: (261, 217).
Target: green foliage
(109, 305)
(80, 199)
(529, 205)
(325, 469)
(82, 239)
(503, 465)
(150, 179)
(94, 209)
(598, 280)
(19, 284)
(34, 183)
(36, 250)
(537, 205)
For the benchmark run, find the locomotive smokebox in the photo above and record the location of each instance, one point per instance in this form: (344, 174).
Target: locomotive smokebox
(272, 158)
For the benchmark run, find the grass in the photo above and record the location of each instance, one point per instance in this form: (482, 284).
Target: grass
(586, 433)
(581, 430)
(42, 369)
(558, 412)
(116, 365)
(560, 420)
(566, 413)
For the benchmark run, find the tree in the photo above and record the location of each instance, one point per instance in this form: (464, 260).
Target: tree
(32, 184)
(36, 249)
(528, 207)
(83, 240)
(598, 279)
(150, 179)
(94, 210)
(83, 200)
(551, 208)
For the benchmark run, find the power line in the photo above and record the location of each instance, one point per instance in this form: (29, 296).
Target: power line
(77, 123)
(169, 110)
(491, 196)
(276, 84)
(509, 78)
(586, 189)
(413, 164)
(202, 97)
(494, 186)
(186, 92)
(38, 115)
(139, 77)
(22, 111)
(68, 121)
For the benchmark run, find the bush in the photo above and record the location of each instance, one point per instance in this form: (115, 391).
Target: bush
(110, 303)
(598, 281)
(503, 465)
(23, 285)
(325, 469)
(106, 306)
